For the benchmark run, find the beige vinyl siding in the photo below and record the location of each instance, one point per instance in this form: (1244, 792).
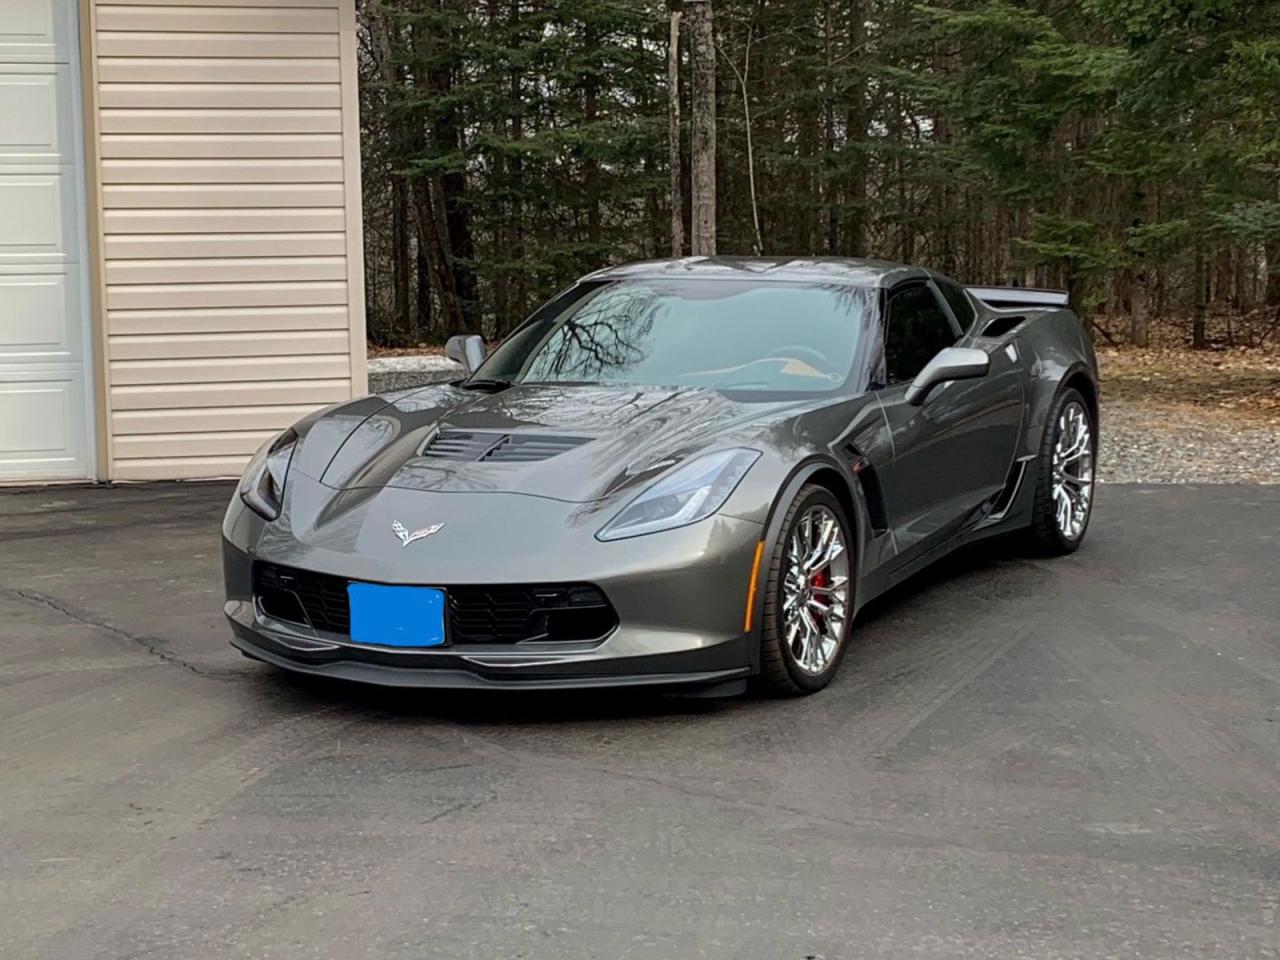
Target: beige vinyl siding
(228, 175)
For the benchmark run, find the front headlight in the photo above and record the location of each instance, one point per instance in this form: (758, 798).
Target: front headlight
(262, 488)
(688, 494)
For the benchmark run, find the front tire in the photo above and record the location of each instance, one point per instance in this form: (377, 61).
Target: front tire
(1064, 486)
(808, 599)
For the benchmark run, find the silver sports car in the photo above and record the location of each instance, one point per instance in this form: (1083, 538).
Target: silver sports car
(688, 472)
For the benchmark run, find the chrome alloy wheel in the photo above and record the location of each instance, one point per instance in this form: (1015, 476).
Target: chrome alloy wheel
(815, 590)
(1073, 470)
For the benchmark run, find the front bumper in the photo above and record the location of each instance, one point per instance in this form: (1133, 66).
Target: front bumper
(680, 598)
(452, 670)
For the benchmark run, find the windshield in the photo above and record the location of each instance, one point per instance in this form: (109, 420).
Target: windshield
(721, 334)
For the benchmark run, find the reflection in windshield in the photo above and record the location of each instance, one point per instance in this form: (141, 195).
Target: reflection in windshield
(719, 334)
(603, 335)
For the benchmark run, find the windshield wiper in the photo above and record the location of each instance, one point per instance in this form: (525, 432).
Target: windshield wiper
(485, 384)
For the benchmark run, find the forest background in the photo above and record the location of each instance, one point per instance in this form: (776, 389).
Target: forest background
(1127, 151)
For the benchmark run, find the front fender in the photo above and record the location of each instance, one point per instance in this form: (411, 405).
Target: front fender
(828, 472)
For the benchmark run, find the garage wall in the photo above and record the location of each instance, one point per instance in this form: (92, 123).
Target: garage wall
(231, 284)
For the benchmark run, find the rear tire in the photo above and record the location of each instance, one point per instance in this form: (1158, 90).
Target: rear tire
(1065, 477)
(808, 596)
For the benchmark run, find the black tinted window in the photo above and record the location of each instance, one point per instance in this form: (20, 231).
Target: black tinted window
(959, 302)
(917, 330)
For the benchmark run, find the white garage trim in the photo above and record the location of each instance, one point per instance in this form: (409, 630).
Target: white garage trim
(47, 380)
(89, 127)
(347, 33)
(95, 424)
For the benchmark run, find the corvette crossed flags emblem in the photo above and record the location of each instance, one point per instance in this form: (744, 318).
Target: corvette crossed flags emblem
(406, 538)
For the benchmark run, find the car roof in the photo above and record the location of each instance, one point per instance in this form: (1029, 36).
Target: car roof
(844, 270)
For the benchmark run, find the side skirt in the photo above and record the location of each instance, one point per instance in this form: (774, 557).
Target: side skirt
(1011, 511)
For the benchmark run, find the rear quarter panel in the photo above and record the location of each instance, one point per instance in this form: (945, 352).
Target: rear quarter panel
(1054, 347)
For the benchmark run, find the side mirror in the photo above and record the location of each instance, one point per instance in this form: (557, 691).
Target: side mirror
(951, 363)
(466, 349)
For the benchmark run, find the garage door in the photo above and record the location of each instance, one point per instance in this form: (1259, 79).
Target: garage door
(44, 418)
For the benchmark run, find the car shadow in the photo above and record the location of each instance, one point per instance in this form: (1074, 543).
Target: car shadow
(482, 706)
(975, 561)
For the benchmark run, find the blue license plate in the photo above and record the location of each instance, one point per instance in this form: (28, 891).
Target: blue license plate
(390, 616)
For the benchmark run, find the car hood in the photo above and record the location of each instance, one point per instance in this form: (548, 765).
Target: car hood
(565, 442)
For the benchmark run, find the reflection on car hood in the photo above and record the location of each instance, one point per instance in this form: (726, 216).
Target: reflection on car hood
(600, 439)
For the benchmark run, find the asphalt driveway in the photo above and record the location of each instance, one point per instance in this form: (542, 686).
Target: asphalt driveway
(1074, 758)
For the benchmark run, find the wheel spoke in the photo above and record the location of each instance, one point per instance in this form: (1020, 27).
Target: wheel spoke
(826, 533)
(836, 587)
(795, 550)
(796, 640)
(1072, 484)
(833, 550)
(815, 587)
(1064, 509)
(1076, 450)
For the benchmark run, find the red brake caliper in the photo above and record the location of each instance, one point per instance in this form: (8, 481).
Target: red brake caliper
(819, 579)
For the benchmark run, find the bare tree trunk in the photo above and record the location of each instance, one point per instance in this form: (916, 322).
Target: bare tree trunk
(743, 76)
(830, 191)
(673, 136)
(453, 188)
(591, 168)
(390, 74)
(431, 238)
(703, 139)
(1271, 253)
(1139, 311)
(520, 293)
(947, 206)
(1222, 273)
(1199, 340)
(500, 282)
(1242, 267)
(1140, 295)
(425, 317)
(400, 321)
(855, 230)
(656, 238)
(450, 207)
(897, 136)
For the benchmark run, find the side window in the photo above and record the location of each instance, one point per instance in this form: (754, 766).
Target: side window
(958, 301)
(917, 330)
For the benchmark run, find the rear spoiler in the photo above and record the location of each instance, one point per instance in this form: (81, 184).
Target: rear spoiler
(1011, 297)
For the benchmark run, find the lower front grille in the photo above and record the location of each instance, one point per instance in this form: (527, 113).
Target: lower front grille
(298, 596)
(550, 613)
(490, 614)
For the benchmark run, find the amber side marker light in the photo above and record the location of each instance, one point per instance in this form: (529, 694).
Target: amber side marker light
(751, 588)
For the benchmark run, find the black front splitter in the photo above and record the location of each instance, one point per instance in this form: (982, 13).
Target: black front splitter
(733, 681)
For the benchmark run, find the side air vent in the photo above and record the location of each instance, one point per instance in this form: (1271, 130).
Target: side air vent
(1001, 326)
(531, 447)
(469, 447)
(871, 491)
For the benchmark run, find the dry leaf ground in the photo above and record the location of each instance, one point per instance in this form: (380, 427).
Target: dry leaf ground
(1173, 415)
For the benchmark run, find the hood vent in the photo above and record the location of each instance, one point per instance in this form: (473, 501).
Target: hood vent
(469, 447)
(458, 445)
(528, 448)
